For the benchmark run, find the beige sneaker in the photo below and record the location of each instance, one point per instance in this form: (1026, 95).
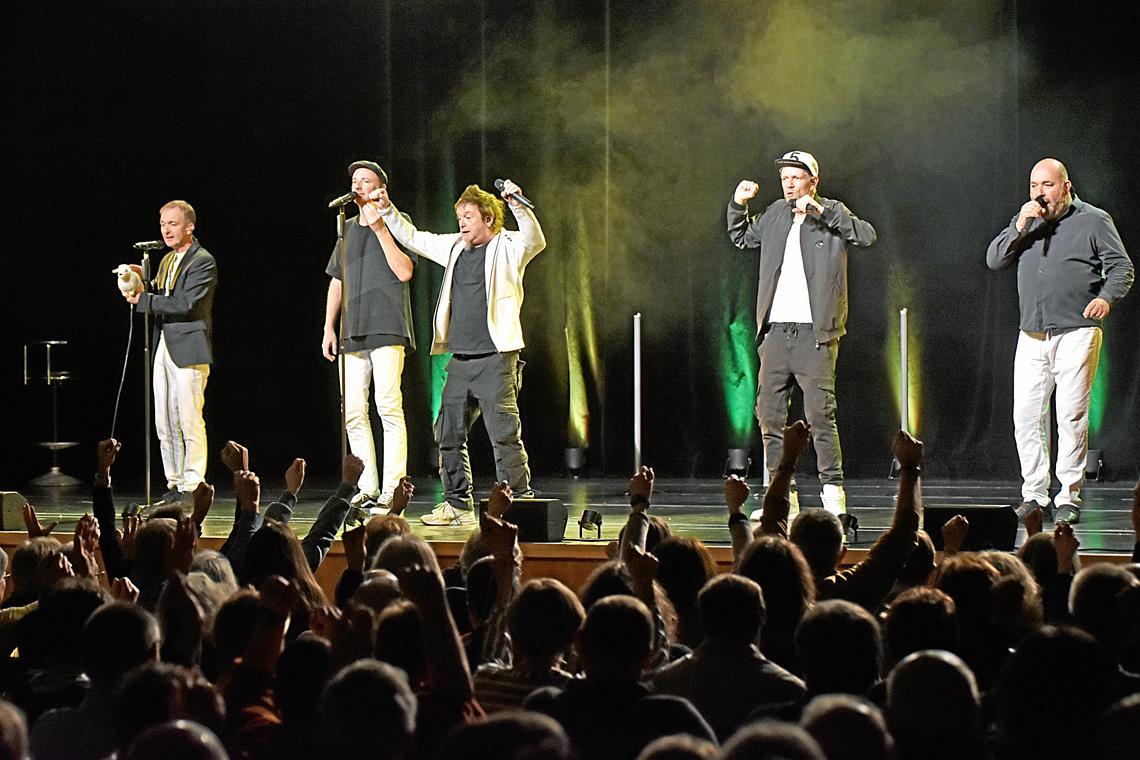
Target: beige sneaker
(445, 514)
(834, 499)
(793, 508)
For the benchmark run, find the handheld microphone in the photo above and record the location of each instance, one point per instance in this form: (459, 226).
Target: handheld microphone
(343, 200)
(1044, 204)
(149, 245)
(499, 184)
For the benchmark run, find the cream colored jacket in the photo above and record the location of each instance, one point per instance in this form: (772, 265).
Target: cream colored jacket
(508, 253)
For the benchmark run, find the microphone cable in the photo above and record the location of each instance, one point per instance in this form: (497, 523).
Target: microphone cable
(126, 362)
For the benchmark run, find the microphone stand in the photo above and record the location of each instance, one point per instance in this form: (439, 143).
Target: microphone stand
(341, 340)
(148, 399)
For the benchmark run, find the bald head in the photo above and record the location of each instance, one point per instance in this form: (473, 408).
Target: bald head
(1050, 180)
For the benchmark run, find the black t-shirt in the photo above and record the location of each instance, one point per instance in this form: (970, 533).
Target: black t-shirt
(468, 333)
(379, 307)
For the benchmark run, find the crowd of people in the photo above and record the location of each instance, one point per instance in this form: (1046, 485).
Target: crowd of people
(130, 641)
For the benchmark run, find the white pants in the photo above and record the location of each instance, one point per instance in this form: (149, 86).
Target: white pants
(1044, 361)
(383, 366)
(179, 393)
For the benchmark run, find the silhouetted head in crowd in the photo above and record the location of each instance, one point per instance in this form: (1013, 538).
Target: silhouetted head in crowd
(848, 728)
(1039, 554)
(379, 529)
(680, 747)
(481, 590)
(612, 579)
(400, 640)
(62, 614)
(1120, 729)
(379, 589)
(276, 550)
(233, 626)
(919, 565)
(543, 620)
(509, 734)
(933, 706)
(1062, 674)
(779, 567)
(657, 531)
(1102, 601)
(153, 541)
(685, 565)
(25, 567)
(1017, 609)
(177, 740)
(769, 739)
(839, 648)
(13, 732)
(155, 693)
(732, 610)
(401, 552)
(968, 580)
(920, 618)
(216, 567)
(368, 710)
(615, 640)
(819, 534)
(117, 638)
(302, 672)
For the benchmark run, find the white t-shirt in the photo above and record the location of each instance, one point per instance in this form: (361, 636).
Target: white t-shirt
(790, 302)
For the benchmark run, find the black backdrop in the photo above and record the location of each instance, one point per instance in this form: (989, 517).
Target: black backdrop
(630, 125)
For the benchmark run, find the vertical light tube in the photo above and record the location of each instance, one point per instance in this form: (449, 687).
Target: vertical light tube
(904, 377)
(637, 392)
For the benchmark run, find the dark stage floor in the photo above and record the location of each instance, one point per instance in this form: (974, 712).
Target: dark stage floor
(692, 507)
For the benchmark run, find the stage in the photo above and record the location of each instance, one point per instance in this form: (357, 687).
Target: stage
(692, 507)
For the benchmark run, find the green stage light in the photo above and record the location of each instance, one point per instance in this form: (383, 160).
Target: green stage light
(1098, 400)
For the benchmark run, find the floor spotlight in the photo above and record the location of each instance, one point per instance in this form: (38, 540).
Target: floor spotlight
(1094, 465)
(590, 520)
(575, 461)
(738, 462)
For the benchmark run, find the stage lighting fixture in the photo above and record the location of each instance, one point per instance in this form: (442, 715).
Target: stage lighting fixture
(590, 520)
(737, 462)
(575, 460)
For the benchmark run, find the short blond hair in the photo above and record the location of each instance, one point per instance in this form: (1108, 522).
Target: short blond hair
(489, 206)
(186, 208)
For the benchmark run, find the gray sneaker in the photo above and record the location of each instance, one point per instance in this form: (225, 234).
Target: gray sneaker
(1068, 513)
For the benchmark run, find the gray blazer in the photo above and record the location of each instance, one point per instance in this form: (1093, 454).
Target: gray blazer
(184, 318)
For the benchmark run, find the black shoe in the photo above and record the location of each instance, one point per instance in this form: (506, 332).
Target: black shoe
(850, 525)
(170, 499)
(1068, 513)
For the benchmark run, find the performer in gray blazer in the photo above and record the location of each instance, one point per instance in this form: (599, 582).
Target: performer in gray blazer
(181, 298)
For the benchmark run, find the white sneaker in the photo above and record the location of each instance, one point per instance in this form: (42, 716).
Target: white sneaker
(445, 514)
(793, 508)
(834, 499)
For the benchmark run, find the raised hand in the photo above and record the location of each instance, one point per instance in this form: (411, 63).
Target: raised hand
(642, 570)
(203, 500)
(85, 542)
(421, 584)
(954, 533)
(247, 486)
(278, 596)
(907, 449)
(1029, 210)
(1034, 521)
(745, 191)
(796, 437)
(401, 496)
(351, 470)
(1066, 545)
(36, 529)
(295, 476)
(353, 542)
(735, 493)
(641, 489)
(127, 536)
(181, 556)
(105, 453)
(500, 499)
(235, 456)
(122, 590)
(499, 536)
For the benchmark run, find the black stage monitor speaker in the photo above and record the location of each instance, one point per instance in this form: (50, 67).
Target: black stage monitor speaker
(990, 527)
(539, 520)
